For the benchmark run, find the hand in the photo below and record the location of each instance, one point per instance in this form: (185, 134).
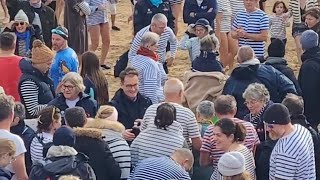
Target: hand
(192, 14)
(102, 7)
(128, 135)
(9, 25)
(170, 61)
(190, 28)
(130, 18)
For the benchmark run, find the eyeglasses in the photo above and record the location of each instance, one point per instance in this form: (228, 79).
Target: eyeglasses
(20, 23)
(250, 103)
(130, 86)
(68, 87)
(270, 126)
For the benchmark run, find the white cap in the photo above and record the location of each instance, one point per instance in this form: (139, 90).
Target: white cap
(231, 163)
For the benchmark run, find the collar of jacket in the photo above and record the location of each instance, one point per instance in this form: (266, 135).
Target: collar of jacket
(276, 60)
(60, 151)
(311, 54)
(105, 124)
(88, 132)
(120, 96)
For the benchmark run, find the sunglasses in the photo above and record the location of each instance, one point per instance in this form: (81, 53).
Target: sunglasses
(270, 126)
(20, 23)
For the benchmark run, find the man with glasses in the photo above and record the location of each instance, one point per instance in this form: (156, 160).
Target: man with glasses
(66, 59)
(130, 104)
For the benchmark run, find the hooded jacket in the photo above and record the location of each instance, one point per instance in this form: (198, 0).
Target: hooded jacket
(207, 62)
(89, 142)
(200, 11)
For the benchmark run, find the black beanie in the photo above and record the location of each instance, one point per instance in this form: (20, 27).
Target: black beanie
(276, 48)
(277, 114)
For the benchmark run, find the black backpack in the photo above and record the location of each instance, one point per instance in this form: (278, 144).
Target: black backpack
(121, 64)
(45, 146)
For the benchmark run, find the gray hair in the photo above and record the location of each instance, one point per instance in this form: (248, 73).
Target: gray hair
(206, 109)
(149, 38)
(75, 79)
(207, 43)
(159, 17)
(245, 53)
(256, 91)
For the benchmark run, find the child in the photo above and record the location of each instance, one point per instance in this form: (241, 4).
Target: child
(7, 152)
(278, 22)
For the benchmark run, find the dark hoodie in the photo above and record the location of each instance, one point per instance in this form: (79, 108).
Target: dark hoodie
(5, 174)
(43, 82)
(207, 62)
(277, 84)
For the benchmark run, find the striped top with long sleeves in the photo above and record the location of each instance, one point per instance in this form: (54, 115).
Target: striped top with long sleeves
(184, 116)
(208, 144)
(97, 16)
(154, 142)
(236, 6)
(278, 27)
(167, 36)
(29, 93)
(254, 23)
(293, 156)
(150, 77)
(36, 148)
(158, 168)
(294, 9)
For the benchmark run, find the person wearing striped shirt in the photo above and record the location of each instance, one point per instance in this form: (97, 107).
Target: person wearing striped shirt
(293, 155)
(161, 138)
(151, 72)
(159, 26)
(251, 27)
(225, 107)
(173, 92)
(159, 168)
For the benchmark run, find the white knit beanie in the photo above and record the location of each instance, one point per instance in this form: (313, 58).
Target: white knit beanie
(21, 17)
(231, 164)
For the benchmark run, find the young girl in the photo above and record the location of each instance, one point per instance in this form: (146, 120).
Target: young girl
(278, 22)
(7, 152)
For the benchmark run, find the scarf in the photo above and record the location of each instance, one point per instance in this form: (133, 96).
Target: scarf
(255, 119)
(36, 5)
(147, 52)
(25, 36)
(156, 2)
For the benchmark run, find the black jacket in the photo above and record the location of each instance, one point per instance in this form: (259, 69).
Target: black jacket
(27, 134)
(47, 18)
(207, 62)
(277, 84)
(144, 11)
(201, 12)
(309, 80)
(44, 83)
(281, 65)
(262, 159)
(5, 174)
(89, 141)
(85, 101)
(129, 111)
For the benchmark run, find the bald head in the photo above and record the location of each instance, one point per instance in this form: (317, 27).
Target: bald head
(184, 157)
(245, 53)
(173, 86)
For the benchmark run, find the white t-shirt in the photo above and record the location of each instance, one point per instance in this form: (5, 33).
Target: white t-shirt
(20, 148)
(72, 103)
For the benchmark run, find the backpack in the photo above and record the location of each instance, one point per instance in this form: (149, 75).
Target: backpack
(53, 168)
(45, 146)
(121, 64)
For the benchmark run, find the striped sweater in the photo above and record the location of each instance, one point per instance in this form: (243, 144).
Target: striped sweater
(165, 37)
(294, 9)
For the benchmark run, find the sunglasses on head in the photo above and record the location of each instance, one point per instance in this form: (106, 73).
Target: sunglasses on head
(21, 23)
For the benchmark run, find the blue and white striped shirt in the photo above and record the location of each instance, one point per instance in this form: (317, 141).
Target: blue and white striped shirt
(97, 16)
(166, 36)
(151, 74)
(253, 23)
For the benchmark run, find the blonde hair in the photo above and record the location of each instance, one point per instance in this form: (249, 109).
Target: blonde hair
(69, 177)
(256, 91)
(105, 112)
(243, 176)
(75, 79)
(7, 146)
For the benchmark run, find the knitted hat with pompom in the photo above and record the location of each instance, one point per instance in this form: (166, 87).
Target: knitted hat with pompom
(41, 53)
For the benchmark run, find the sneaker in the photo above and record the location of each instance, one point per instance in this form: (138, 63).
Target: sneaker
(105, 66)
(115, 28)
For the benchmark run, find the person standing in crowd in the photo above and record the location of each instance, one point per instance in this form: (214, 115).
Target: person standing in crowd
(205, 115)
(308, 76)
(293, 155)
(157, 168)
(225, 107)
(112, 7)
(98, 25)
(75, 22)
(250, 71)
(20, 128)
(41, 16)
(151, 72)
(200, 29)
(145, 10)
(72, 95)
(257, 100)
(93, 78)
(251, 27)
(7, 152)
(278, 23)
(26, 34)
(312, 19)
(159, 26)
(35, 87)
(48, 122)
(194, 10)
(9, 65)
(232, 165)
(174, 94)
(18, 166)
(66, 59)
(106, 121)
(161, 138)
(207, 60)
(276, 53)
(130, 104)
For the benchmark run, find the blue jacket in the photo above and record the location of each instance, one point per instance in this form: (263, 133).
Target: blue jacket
(277, 84)
(201, 12)
(207, 62)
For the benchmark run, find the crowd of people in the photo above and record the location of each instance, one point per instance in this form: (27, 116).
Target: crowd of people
(249, 119)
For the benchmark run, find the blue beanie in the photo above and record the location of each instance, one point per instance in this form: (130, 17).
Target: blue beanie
(64, 136)
(309, 39)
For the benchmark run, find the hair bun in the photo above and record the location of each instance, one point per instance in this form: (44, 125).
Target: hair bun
(37, 43)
